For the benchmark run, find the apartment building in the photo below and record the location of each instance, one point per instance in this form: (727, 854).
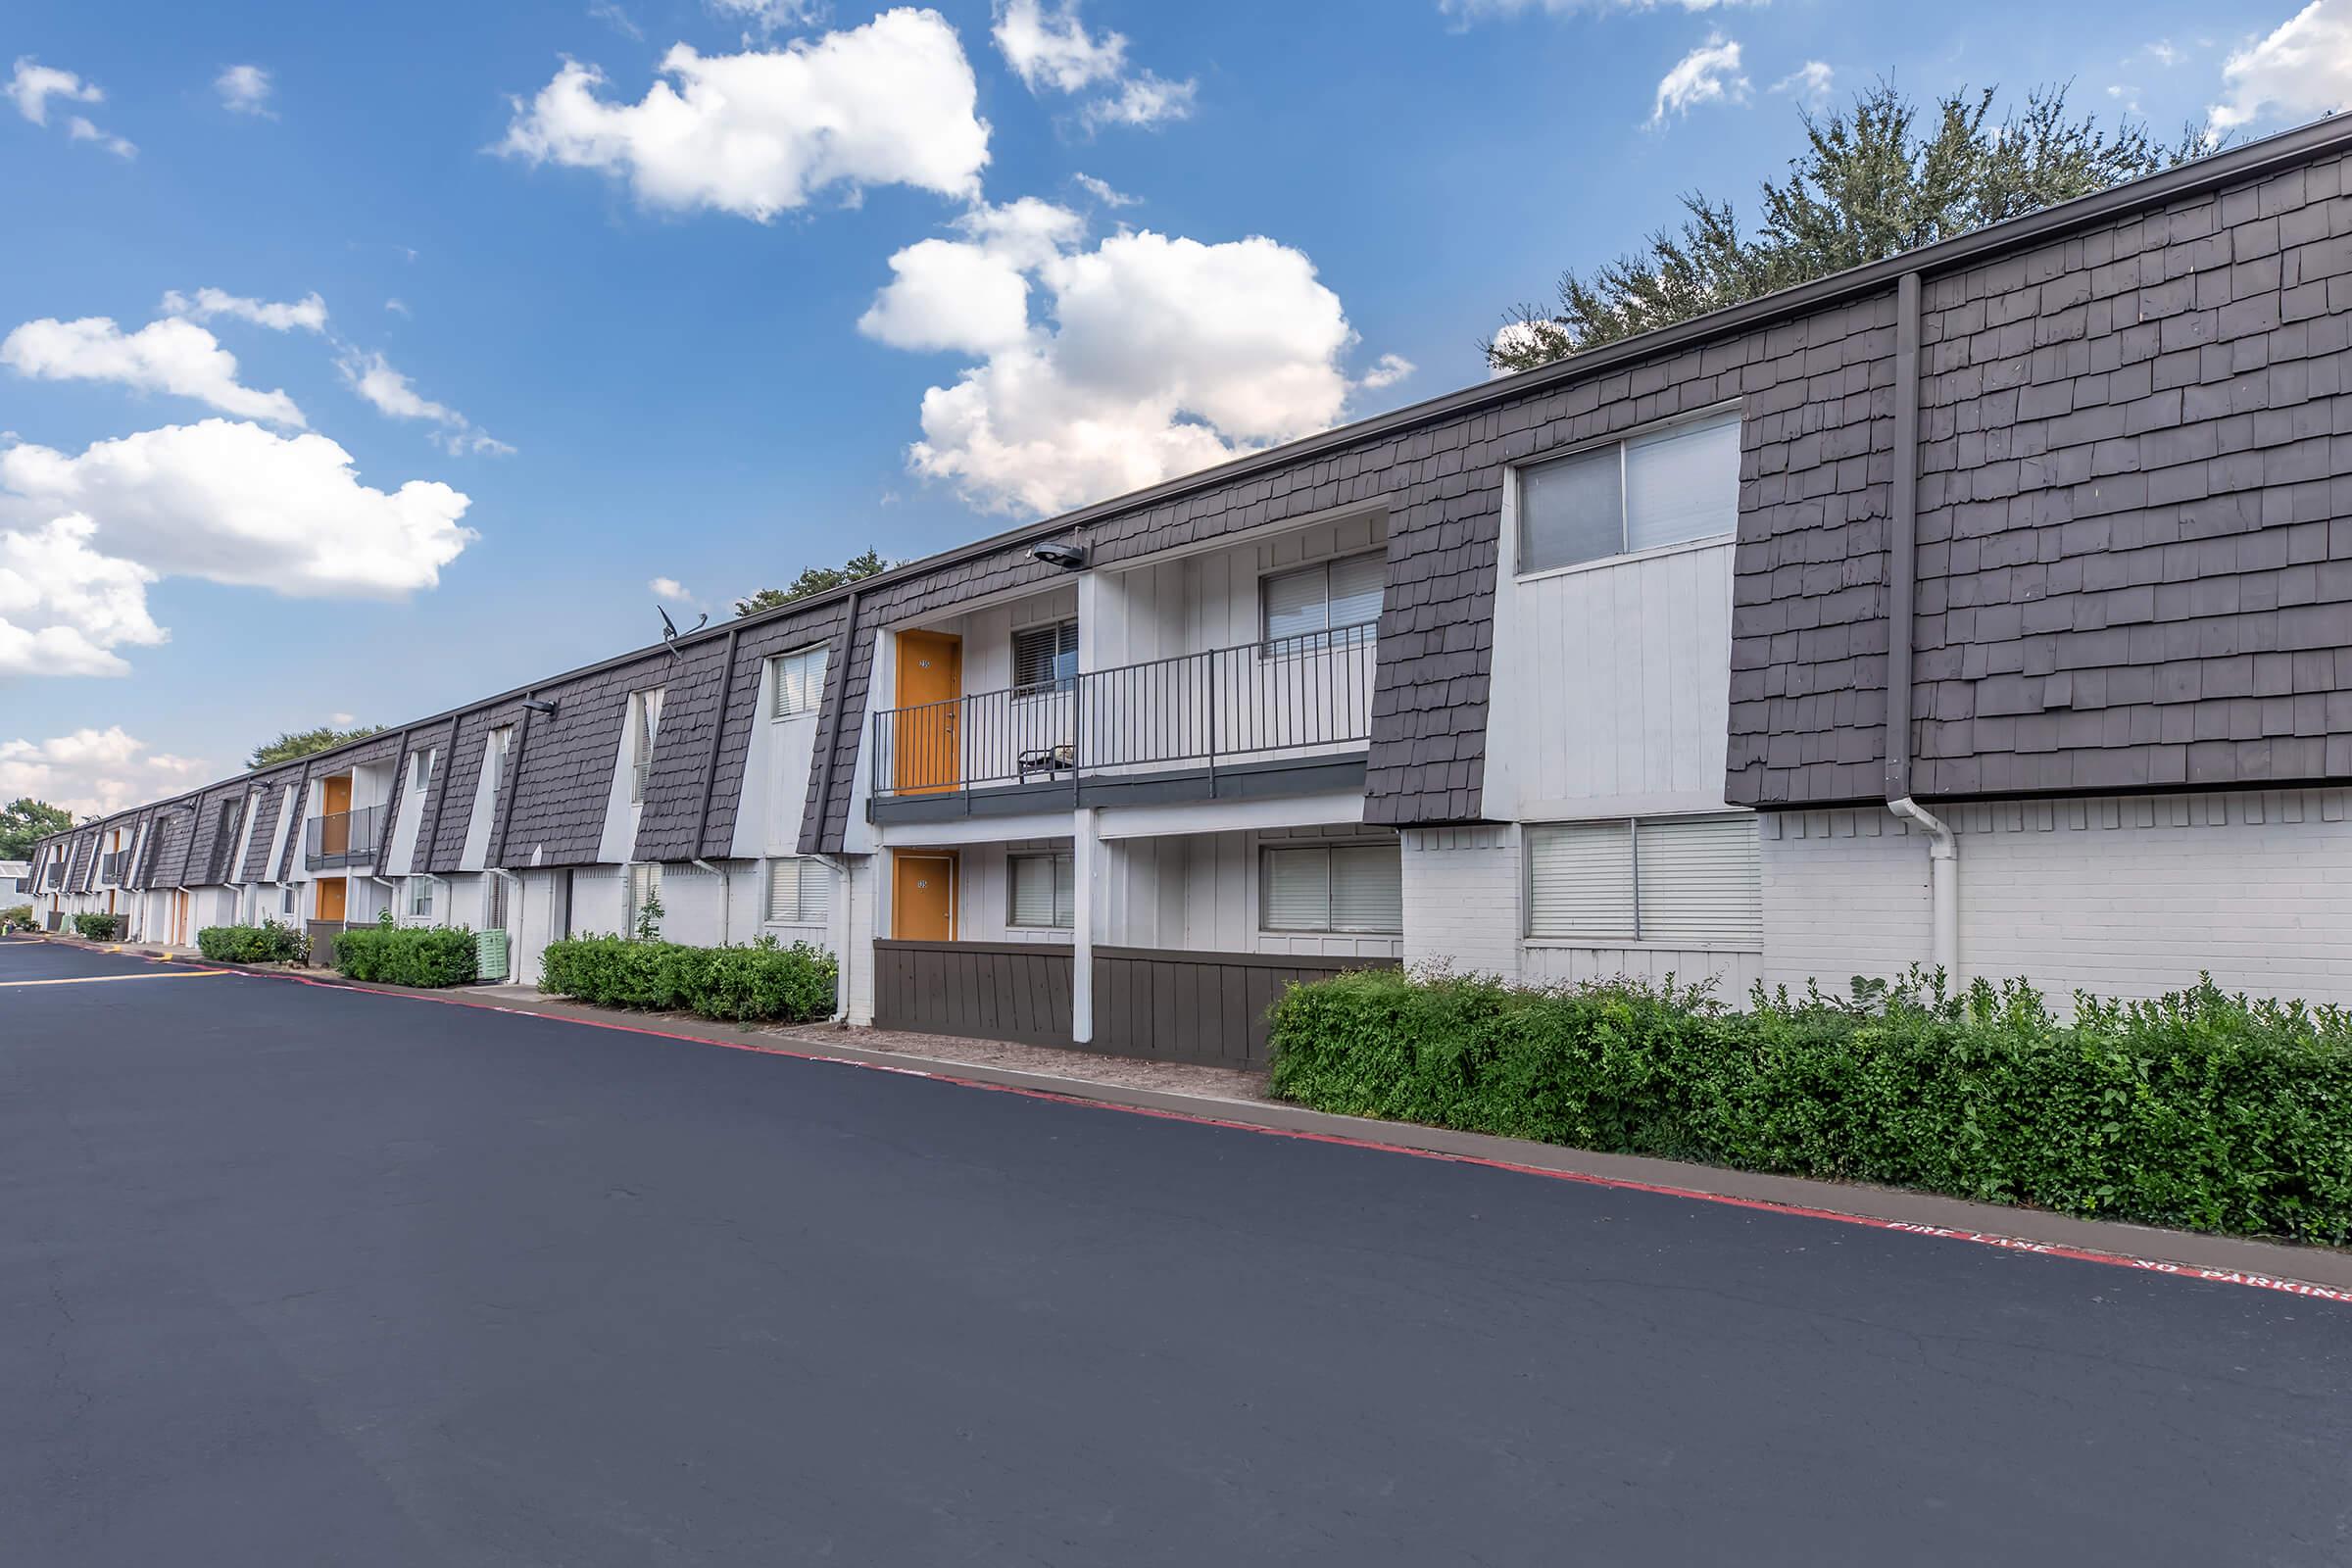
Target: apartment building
(1989, 606)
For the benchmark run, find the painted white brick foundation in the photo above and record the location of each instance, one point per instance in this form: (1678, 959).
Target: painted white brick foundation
(2130, 896)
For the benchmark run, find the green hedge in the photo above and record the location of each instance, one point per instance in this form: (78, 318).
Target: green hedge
(407, 955)
(2201, 1110)
(17, 917)
(761, 980)
(99, 927)
(267, 943)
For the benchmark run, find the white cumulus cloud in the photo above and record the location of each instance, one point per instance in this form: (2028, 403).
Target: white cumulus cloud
(758, 133)
(308, 312)
(390, 393)
(1051, 50)
(1809, 83)
(1147, 356)
(1707, 74)
(233, 502)
(30, 85)
(168, 355)
(670, 589)
(64, 607)
(2301, 70)
(1103, 191)
(244, 90)
(91, 772)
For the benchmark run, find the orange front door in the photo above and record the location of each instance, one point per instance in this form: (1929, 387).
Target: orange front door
(334, 834)
(922, 896)
(330, 899)
(927, 739)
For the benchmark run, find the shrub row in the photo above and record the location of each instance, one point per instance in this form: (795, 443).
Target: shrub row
(2201, 1110)
(761, 980)
(407, 955)
(267, 943)
(98, 927)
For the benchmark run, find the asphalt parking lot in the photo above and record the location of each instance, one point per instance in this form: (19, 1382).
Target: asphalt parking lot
(295, 1274)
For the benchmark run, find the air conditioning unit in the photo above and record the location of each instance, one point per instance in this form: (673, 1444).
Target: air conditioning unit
(490, 954)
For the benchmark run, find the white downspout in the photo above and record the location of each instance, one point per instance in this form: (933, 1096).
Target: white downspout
(726, 897)
(1944, 886)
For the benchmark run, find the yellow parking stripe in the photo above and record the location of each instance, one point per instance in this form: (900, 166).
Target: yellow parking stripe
(104, 979)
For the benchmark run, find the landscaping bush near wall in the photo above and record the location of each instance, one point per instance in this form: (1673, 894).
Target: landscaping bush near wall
(98, 927)
(2201, 1110)
(763, 980)
(413, 956)
(267, 943)
(17, 917)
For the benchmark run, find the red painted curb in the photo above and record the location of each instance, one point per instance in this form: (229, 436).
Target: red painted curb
(2013, 1244)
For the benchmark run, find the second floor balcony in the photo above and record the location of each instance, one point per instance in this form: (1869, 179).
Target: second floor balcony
(1265, 718)
(342, 838)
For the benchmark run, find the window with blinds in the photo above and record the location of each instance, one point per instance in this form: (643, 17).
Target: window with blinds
(643, 888)
(799, 683)
(1672, 486)
(1335, 888)
(1042, 890)
(1694, 882)
(648, 727)
(420, 898)
(798, 891)
(1045, 659)
(1331, 596)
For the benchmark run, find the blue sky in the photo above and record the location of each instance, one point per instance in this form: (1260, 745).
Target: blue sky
(568, 339)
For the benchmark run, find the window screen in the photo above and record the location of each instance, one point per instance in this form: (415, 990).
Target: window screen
(798, 891)
(1687, 881)
(421, 897)
(1045, 657)
(799, 684)
(1043, 890)
(1329, 595)
(1347, 887)
(1671, 487)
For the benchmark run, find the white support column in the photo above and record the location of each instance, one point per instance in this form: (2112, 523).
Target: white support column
(1087, 857)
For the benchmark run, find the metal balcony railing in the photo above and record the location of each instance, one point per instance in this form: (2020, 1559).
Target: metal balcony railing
(1297, 696)
(110, 867)
(341, 838)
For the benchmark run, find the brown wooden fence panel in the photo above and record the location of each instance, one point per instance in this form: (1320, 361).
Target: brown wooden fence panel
(1204, 1007)
(988, 990)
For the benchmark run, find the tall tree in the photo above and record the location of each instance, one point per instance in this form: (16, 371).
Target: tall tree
(25, 822)
(1874, 180)
(303, 742)
(815, 580)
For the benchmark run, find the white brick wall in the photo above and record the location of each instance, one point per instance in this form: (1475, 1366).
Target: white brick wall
(1846, 893)
(2121, 896)
(1461, 899)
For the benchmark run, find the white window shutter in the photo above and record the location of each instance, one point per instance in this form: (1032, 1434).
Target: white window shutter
(1296, 604)
(1572, 510)
(1701, 882)
(1682, 484)
(1367, 888)
(1297, 890)
(784, 890)
(1581, 881)
(1357, 586)
(1043, 890)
